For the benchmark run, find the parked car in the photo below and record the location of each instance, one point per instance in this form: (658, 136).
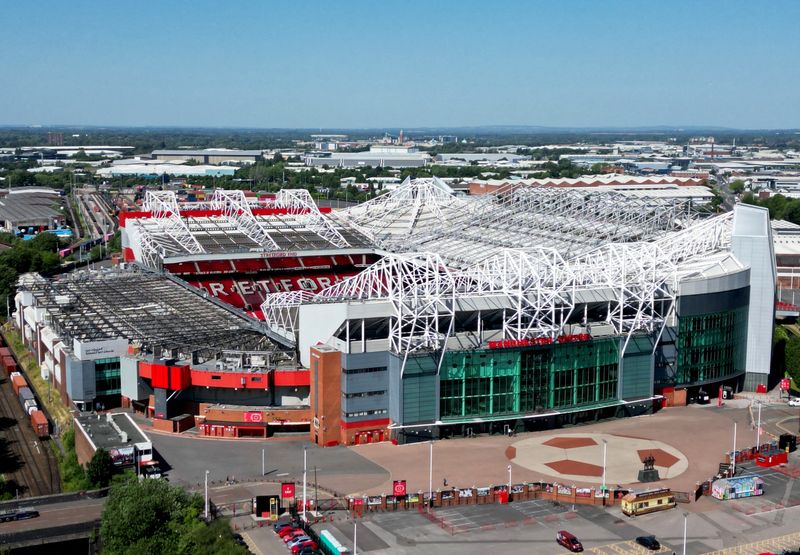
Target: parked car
(569, 541)
(310, 543)
(283, 532)
(280, 525)
(794, 402)
(297, 541)
(650, 542)
(291, 536)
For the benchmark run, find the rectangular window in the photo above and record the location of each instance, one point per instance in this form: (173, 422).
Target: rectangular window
(350, 371)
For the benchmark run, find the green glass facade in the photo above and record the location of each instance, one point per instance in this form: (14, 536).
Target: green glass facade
(107, 376)
(518, 381)
(711, 346)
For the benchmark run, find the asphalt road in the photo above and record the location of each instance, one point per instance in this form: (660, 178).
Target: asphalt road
(190, 457)
(58, 514)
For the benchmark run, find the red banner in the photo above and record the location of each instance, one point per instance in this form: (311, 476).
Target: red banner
(287, 490)
(785, 384)
(399, 488)
(253, 417)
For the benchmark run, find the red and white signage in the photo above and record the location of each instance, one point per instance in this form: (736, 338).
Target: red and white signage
(399, 488)
(256, 417)
(287, 490)
(785, 384)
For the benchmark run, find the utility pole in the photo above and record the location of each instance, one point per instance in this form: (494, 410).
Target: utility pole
(316, 492)
(305, 452)
(263, 468)
(206, 503)
(430, 479)
(733, 454)
(758, 428)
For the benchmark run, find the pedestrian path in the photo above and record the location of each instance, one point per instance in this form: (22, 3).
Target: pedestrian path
(629, 547)
(773, 545)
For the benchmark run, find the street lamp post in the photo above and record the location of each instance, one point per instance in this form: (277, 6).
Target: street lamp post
(206, 488)
(733, 454)
(509, 479)
(263, 468)
(758, 428)
(430, 478)
(685, 518)
(305, 452)
(355, 537)
(605, 446)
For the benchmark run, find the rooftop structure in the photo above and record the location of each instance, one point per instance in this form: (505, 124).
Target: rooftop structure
(229, 222)
(424, 216)
(209, 156)
(157, 312)
(33, 208)
(117, 434)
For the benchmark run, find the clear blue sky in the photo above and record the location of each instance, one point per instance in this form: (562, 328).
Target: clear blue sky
(401, 64)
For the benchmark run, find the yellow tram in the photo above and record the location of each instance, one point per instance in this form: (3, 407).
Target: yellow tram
(648, 502)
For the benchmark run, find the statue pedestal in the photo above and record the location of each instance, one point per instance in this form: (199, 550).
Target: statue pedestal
(648, 475)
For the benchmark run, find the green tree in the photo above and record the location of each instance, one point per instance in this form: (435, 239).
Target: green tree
(99, 469)
(152, 516)
(736, 186)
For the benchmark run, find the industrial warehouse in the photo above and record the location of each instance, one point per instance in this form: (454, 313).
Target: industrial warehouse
(422, 314)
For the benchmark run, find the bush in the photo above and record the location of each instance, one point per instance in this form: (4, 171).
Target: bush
(152, 516)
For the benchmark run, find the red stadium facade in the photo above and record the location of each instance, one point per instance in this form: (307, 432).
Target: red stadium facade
(237, 250)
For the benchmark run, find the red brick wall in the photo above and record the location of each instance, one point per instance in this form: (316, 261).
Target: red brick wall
(326, 395)
(82, 446)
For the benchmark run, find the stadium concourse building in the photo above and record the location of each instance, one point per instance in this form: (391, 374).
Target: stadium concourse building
(148, 341)
(524, 308)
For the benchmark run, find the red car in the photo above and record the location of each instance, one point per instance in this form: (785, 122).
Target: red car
(310, 543)
(293, 535)
(283, 532)
(569, 541)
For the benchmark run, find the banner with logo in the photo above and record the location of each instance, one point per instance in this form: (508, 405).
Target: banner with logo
(287, 490)
(399, 488)
(255, 416)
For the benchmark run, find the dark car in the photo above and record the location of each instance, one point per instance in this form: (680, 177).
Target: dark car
(569, 541)
(650, 542)
(280, 525)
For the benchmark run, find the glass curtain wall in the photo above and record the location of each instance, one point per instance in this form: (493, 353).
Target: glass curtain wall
(517, 381)
(711, 346)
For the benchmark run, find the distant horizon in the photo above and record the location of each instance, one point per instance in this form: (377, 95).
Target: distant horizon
(566, 64)
(429, 128)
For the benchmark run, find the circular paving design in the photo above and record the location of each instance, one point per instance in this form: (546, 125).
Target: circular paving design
(579, 457)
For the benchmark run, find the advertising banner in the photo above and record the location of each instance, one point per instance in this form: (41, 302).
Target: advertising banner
(255, 416)
(399, 488)
(287, 490)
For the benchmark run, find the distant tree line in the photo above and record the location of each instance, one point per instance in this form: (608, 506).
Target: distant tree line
(780, 207)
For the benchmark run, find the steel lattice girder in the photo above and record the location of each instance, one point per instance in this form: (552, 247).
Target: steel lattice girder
(540, 285)
(164, 207)
(298, 202)
(235, 207)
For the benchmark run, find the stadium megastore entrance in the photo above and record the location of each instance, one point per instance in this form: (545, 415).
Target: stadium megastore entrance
(547, 386)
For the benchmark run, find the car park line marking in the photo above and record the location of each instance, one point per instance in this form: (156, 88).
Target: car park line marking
(791, 541)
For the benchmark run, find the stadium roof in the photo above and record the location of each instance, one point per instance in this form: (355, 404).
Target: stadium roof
(231, 223)
(423, 216)
(159, 312)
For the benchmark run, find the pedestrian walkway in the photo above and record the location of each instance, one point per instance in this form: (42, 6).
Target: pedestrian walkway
(788, 542)
(625, 548)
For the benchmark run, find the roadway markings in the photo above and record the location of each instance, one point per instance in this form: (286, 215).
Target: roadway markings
(251, 544)
(774, 545)
(629, 547)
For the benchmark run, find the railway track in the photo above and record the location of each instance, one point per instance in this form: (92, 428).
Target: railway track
(38, 470)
